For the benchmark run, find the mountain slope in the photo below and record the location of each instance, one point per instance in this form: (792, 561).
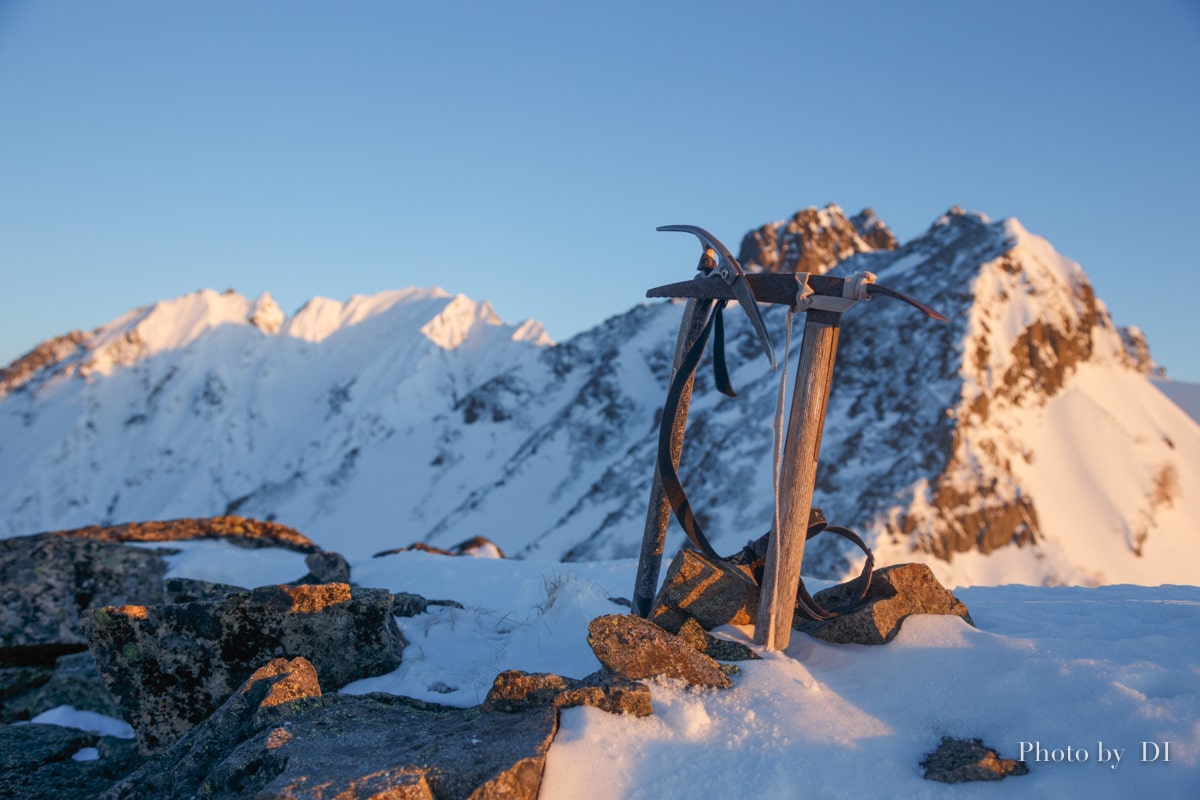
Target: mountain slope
(1021, 441)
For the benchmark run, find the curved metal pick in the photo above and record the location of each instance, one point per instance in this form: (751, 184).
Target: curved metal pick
(875, 288)
(732, 273)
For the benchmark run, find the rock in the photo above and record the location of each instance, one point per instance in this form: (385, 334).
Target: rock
(477, 546)
(47, 580)
(73, 681)
(327, 567)
(632, 647)
(406, 604)
(896, 593)
(695, 588)
(514, 690)
(186, 590)
(368, 746)
(717, 649)
(962, 760)
(170, 666)
(36, 762)
(241, 531)
(813, 240)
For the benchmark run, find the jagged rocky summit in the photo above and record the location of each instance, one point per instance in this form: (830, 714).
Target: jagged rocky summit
(1021, 441)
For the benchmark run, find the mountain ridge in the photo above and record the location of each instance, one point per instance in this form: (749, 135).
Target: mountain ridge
(413, 415)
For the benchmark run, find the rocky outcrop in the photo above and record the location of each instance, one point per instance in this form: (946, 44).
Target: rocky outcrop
(241, 531)
(72, 680)
(632, 647)
(38, 762)
(873, 230)
(303, 744)
(170, 666)
(896, 593)
(965, 760)
(47, 580)
(813, 240)
(43, 362)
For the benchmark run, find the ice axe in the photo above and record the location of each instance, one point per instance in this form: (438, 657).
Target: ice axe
(718, 264)
(824, 299)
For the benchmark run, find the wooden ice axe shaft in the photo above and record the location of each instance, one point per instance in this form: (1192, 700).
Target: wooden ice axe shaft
(658, 515)
(798, 477)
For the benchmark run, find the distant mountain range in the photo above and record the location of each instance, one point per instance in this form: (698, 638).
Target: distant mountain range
(1023, 441)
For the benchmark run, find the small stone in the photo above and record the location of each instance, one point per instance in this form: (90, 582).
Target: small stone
(632, 647)
(326, 567)
(963, 760)
(407, 604)
(514, 690)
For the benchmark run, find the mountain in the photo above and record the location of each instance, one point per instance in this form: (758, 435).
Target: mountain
(1022, 441)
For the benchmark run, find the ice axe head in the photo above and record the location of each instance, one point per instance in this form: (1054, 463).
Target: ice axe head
(727, 267)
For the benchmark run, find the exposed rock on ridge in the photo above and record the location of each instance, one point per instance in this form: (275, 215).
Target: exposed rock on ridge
(814, 240)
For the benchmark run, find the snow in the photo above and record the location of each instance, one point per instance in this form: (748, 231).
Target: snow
(71, 717)
(1100, 670)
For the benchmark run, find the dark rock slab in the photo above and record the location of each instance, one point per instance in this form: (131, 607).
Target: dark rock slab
(170, 666)
(514, 690)
(47, 580)
(896, 593)
(695, 588)
(368, 746)
(36, 763)
(632, 647)
(964, 760)
(73, 681)
(187, 590)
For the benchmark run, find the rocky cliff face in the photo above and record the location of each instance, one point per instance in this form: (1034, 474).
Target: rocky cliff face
(814, 240)
(1019, 441)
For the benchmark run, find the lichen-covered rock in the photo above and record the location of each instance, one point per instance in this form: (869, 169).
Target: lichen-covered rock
(514, 690)
(632, 647)
(896, 593)
(47, 580)
(170, 666)
(36, 762)
(368, 746)
(695, 588)
(963, 760)
(72, 681)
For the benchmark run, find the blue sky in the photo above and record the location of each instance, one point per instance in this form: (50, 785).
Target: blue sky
(524, 152)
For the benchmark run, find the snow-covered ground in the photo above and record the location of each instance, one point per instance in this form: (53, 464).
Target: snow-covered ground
(1097, 682)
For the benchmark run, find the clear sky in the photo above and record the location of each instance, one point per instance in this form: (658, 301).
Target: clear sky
(523, 152)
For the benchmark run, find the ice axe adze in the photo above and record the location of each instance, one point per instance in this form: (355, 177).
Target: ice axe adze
(825, 299)
(718, 264)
